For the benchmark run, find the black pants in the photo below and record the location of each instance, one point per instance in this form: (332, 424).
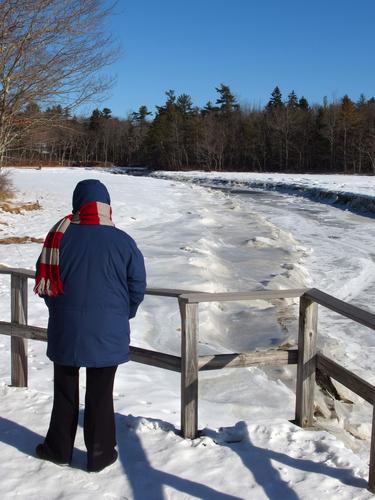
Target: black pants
(99, 419)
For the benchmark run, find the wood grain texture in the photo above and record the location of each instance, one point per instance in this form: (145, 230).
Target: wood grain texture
(189, 369)
(193, 297)
(23, 331)
(371, 477)
(29, 273)
(18, 316)
(161, 292)
(352, 381)
(154, 358)
(306, 367)
(357, 314)
(137, 354)
(255, 358)
(167, 292)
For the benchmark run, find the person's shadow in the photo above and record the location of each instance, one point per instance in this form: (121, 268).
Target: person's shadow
(19, 437)
(26, 440)
(258, 461)
(147, 482)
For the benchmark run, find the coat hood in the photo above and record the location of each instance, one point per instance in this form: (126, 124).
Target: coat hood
(88, 191)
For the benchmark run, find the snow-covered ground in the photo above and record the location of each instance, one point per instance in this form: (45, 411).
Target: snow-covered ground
(339, 259)
(211, 240)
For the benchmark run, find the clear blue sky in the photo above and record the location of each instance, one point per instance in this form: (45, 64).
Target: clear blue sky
(317, 48)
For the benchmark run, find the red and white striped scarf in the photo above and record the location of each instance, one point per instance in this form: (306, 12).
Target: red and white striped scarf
(48, 279)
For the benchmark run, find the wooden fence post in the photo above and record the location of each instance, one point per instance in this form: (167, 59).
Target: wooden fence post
(18, 306)
(306, 367)
(371, 476)
(189, 369)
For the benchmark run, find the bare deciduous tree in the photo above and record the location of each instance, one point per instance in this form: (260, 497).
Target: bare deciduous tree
(51, 51)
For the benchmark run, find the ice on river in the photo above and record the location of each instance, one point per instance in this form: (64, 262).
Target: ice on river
(208, 240)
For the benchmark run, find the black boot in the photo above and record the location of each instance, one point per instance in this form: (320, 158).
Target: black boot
(100, 467)
(44, 453)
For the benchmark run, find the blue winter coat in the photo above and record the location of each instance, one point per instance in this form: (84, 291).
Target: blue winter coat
(104, 282)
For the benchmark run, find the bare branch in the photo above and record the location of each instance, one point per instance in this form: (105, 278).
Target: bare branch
(51, 51)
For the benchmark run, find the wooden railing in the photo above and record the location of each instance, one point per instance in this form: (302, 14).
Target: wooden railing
(189, 364)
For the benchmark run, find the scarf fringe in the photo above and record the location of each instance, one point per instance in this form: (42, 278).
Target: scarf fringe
(44, 286)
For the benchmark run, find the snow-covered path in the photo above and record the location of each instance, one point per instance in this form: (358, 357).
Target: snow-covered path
(204, 240)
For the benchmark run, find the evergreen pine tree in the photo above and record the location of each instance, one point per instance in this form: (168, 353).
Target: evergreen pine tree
(276, 100)
(171, 96)
(169, 104)
(208, 108)
(106, 113)
(94, 120)
(140, 115)
(303, 103)
(361, 101)
(226, 100)
(184, 104)
(292, 100)
(347, 106)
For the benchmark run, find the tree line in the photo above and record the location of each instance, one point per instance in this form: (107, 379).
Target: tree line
(288, 134)
(52, 53)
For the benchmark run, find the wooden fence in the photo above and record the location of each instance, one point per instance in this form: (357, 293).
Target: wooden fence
(189, 364)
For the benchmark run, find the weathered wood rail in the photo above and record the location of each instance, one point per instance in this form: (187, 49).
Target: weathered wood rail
(189, 364)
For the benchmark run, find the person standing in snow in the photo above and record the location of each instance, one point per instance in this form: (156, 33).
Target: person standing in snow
(92, 277)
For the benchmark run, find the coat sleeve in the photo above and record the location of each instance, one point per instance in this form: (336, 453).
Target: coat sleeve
(136, 276)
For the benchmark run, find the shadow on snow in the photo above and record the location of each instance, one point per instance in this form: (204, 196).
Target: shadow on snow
(144, 479)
